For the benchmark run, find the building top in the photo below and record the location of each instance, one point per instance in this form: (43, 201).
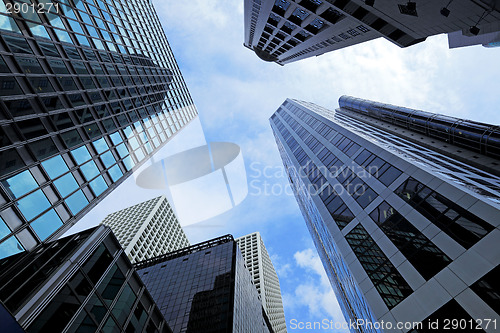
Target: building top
(185, 251)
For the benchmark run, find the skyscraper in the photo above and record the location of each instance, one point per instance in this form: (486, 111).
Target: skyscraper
(80, 283)
(402, 206)
(264, 278)
(284, 31)
(88, 91)
(148, 229)
(205, 288)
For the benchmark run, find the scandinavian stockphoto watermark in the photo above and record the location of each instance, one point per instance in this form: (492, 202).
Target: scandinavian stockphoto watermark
(264, 179)
(429, 324)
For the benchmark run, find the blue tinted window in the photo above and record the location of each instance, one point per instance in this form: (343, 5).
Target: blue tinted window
(4, 230)
(77, 202)
(128, 131)
(133, 143)
(46, 224)
(33, 204)
(20, 184)
(100, 145)
(55, 166)
(98, 185)
(116, 138)
(108, 159)
(139, 154)
(66, 184)
(122, 150)
(81, 155)
(115, 173)
(89, 170)
(10, 247)
(129, 164)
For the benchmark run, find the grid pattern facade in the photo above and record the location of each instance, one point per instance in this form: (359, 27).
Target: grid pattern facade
(289, 30)
(88, 90)
(205, 288)
(148, 229)
(100, 292)
(264, 277)
(407, 221)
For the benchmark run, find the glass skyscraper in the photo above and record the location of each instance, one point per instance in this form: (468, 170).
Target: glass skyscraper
(80, 283)
(88, 90)
(403, 208)
(205, 288)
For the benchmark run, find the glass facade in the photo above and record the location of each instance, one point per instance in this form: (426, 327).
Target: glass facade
(205, 288)
(100, 290)
(388, 228)
(88, 90)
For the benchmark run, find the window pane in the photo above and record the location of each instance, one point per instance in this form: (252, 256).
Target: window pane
(122, 150)
(98, 185)
(4, 230)
(10, 247)
(46, 224)
(33, 204)
(115, 173)
(129, 164)
(55, 166)
(66, 184)
(77, 202)
(20, 184)
(89, 170)
(81, 155)
(116, 138)
(100, 145)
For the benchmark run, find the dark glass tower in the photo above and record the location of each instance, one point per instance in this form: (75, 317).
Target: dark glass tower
(205, 288)
(80, 283)
(403, 208)
(88, 91)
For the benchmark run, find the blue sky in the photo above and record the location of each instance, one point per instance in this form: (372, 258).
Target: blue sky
(236, 93)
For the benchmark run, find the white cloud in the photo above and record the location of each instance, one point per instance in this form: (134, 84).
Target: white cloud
(313, 292)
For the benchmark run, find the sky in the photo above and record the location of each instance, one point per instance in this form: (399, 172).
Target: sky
(235, 93)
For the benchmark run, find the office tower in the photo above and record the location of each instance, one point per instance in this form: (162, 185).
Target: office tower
(148, 229)
(88, 91)
(264, 278)
(80, 283)
(284, 31)
(205, 288)
(402, 206)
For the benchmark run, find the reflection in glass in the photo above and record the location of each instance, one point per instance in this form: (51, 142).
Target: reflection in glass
(115, 173)
(89, 170)
(81, 155)
(20, 184)
(77, 202)
(55, 166)
(46, 224)
(10, 247)
(33, 204)
(98, 185)
(66, 184)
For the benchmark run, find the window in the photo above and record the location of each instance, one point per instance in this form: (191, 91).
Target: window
(77, 202)
(33, 204)
(46, 224)
(20, 184)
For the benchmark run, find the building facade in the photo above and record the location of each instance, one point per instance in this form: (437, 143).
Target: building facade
(80, 283)
(264, 277)
(403, 208)
(148, 229)
(88, 91)
(205, 288)
(284, 31)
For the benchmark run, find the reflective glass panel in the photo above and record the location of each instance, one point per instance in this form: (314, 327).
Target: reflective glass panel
(81, 155)
(129, 164)
(89, 170)
(100, 145)
(4, 230)
(77, 202)
(115, 173)
(20, 184)
(46, 224)
(33, 204)
(55, 166)
(98, 185)
(10, 247)
(108, 159)
(66, 184)
(122, 150)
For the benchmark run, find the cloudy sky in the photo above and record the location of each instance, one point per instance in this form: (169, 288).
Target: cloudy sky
(236, 93)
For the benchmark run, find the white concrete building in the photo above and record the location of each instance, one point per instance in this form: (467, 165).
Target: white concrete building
(148, 229)
(264, 277)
